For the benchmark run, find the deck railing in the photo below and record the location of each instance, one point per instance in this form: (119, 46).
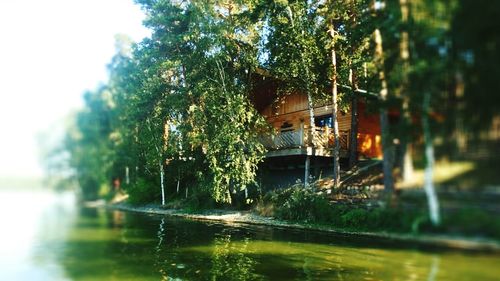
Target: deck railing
(291, 139)
(321, 137)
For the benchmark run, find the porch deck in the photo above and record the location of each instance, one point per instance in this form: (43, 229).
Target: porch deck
(320, 142)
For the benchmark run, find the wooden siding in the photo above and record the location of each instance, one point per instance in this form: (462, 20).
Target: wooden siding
(292, 109)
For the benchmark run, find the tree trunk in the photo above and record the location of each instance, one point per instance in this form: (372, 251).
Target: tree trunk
(307, 170)
(387, 146)
(310, 106)
(312, 128)
(460, 136)
(387, 151)
(162, 182)
(406, 160)
(336, 148)
(127, 176)
(429, 164)
(353, 143)
(310, 135)
(160, 166)
(353, 136)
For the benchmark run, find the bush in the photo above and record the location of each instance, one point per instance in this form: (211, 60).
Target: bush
(299, 204)
(296, 203)
(200, 199)
(472, 221)
(143, 191)
(355, 218)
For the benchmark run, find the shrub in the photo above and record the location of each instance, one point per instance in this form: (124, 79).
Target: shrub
(472, 221)
(297, 203)
(200, 199)
(355, 218)
(143, 191)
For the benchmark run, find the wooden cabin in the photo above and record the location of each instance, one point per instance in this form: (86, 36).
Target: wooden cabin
(288, 114)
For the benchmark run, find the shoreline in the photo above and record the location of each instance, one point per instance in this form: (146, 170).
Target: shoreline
(247, 217)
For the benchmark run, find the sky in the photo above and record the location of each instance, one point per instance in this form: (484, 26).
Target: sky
(52, 51)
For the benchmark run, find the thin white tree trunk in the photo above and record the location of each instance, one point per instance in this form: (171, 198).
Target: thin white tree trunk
(312, 128)
(127, 176)
(430, 191)
(310, 134)
(407, 165)
(160, 166)
(162, 180)
(336, 148)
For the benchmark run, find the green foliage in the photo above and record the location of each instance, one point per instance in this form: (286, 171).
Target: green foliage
(89, 144)
(296, 203)
(143, 191)
(476, 56)
(180, 100)
(299, 204)
(470, 221)
(201, 199)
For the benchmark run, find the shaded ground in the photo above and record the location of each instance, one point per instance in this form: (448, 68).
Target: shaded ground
(465, 185)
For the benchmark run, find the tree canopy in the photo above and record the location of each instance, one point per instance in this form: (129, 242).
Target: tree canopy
(177, 106)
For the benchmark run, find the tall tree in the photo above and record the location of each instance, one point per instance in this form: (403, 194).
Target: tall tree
(295, 53)
(387, 145)
(336, 135)
(406, 161)
(89, 144)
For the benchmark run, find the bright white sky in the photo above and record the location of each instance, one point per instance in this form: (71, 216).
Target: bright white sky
(51, 51)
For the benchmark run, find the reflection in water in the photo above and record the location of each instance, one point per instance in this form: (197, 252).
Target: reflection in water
(232, 261)
(434, 269)
(118, 219)
(161, 235)
(61, 242)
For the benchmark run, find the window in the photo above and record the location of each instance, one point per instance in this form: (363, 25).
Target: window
(286, 127)
(324, 121)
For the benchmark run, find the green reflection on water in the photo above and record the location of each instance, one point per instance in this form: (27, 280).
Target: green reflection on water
(113, 245)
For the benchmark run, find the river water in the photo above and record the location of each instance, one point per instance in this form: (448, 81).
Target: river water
(45, 236)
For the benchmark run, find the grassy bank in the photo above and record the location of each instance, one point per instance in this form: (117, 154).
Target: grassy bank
(402, 219)
(234, 217)
(404, 214)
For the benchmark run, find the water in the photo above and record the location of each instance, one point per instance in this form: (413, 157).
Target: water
(46, 237)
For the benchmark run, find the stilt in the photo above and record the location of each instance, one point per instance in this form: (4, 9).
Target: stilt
(306, 171)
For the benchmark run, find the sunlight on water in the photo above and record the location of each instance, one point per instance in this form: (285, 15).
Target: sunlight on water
(29, 218)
